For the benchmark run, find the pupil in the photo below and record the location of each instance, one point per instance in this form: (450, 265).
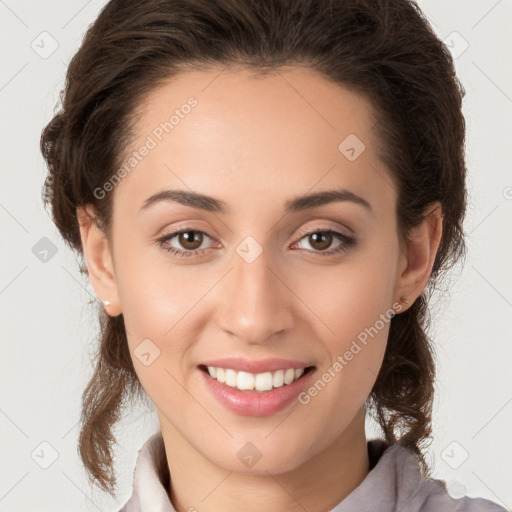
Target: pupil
(324, 236)
(190, 238)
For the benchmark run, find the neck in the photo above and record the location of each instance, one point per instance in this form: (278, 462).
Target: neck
(317, 485)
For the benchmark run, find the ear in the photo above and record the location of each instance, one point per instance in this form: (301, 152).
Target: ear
(418, 259)
(99, 259)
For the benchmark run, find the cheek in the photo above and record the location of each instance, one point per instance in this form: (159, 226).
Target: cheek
(342, 386)
(154, 293)
(348, 298)
(352, 305)
(160, 310)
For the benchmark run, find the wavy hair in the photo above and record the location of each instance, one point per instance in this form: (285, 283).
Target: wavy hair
(384, 49)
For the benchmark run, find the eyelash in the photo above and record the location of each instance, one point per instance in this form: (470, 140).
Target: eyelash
(348, 242)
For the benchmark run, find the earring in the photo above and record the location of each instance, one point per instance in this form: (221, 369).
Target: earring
(106, 303)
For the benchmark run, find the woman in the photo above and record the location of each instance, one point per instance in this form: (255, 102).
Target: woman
(265, 194)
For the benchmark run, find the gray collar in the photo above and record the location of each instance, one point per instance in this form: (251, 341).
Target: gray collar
(394, 484)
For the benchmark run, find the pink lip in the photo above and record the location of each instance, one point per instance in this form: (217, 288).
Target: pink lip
(264, 365)
(255, 403)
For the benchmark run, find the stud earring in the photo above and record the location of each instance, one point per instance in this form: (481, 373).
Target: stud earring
(106, 303)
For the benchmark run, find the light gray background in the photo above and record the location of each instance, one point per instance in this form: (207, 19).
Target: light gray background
(48, 329)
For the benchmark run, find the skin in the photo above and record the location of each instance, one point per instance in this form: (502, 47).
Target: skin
(255, 143)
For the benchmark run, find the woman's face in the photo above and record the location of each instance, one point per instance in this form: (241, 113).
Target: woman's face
(260, 281)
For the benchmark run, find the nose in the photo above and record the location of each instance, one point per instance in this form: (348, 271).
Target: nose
(254, 301)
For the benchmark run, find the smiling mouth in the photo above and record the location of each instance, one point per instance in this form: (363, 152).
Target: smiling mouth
(258, 382)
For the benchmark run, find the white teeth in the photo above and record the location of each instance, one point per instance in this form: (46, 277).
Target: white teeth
(289, 375)
(231, 377)
(245, 381)
(263, 381)
(278, 380)
(221, 374)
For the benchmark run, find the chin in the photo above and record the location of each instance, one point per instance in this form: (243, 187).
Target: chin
(253, 458)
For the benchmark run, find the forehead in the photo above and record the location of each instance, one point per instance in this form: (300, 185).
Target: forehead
(270, 100)
(284, 132)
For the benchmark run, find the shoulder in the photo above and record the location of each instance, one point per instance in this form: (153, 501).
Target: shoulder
(395, 483)
(437, 498)
(431, 495)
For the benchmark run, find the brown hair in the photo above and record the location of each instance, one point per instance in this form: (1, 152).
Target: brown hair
(384, 49)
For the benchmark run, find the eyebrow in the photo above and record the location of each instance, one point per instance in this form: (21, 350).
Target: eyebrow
(211, 204)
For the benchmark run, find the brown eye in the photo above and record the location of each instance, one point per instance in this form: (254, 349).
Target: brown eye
(321, 240)
(190, 240)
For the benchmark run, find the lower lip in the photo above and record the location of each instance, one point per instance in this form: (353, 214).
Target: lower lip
(255, 403)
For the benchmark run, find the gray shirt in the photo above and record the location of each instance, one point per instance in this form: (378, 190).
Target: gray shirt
(394, 484)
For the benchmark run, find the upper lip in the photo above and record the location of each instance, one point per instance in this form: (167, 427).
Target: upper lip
(240, 364)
